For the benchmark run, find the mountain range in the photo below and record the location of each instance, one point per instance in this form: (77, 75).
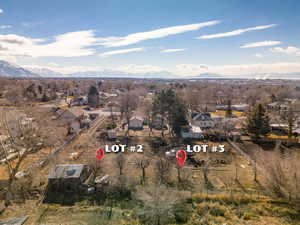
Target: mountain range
(11, 70)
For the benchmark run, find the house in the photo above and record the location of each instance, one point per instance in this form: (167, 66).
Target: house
(235, 136)
(157, 124)
(238, 107)
(279, 128)
(72, 114)
(85, 123)
(203, 120)
(191, 132)
(136, 123)
(111, 135)
(67, 177)
(74, 127)
(80, 101)
(278, 106)
(207, 107)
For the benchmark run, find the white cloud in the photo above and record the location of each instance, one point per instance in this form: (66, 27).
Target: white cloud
(237, 69)
(8, 58)
(260, 44)
(1, 11)
(236, 32)
(290, 50)
(5, 26)
(153, 34)
(258, 55)
(122, 51)
(172, 50)
(72, 44)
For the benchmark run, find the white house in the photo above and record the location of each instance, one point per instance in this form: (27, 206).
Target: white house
(191, 132)
(203, 120)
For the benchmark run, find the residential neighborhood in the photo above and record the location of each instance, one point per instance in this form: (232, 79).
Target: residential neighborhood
(150, 112)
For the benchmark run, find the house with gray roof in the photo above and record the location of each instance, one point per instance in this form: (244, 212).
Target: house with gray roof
(67, 177)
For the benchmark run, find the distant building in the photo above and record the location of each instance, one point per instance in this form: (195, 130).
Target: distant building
(136, 123)
(203, 120)
(191, 132)
(239, 107)
(74, 127)
(72, 114)
(111, 135)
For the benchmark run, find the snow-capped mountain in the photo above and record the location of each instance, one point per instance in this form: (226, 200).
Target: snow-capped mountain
(117, 73)
(9, 70)
(44, 72)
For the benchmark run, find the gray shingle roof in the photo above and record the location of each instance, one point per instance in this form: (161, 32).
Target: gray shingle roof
(66, 171)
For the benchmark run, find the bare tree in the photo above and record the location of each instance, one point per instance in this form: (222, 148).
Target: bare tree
(163, 169)
(149, 115)
(142, 164)
(193, 98)
(120, 162)
(128, 104)
(290, 117)
(95, 165)
(22, 138)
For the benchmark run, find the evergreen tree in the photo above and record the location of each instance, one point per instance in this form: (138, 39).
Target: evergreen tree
(170, 109)
(93, 90)
(290, 117)
(229, 109)
(93, 97)
(45, 98)
(258, 122)
(273, 98)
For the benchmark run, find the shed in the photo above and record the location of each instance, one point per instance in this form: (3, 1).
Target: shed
(68, 176)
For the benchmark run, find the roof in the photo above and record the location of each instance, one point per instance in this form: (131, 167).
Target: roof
(66, 171)
(196, 129)
(15, 221)
(75, 111)
(202, 117)
(137, 118)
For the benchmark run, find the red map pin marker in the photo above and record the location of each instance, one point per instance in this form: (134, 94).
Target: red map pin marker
(99, 154)
(181, 157)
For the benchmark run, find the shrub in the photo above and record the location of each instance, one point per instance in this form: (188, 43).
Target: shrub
(182, 212)
(213, 208)
(111, 126)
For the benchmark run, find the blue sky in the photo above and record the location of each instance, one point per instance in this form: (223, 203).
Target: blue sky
(232, 37)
